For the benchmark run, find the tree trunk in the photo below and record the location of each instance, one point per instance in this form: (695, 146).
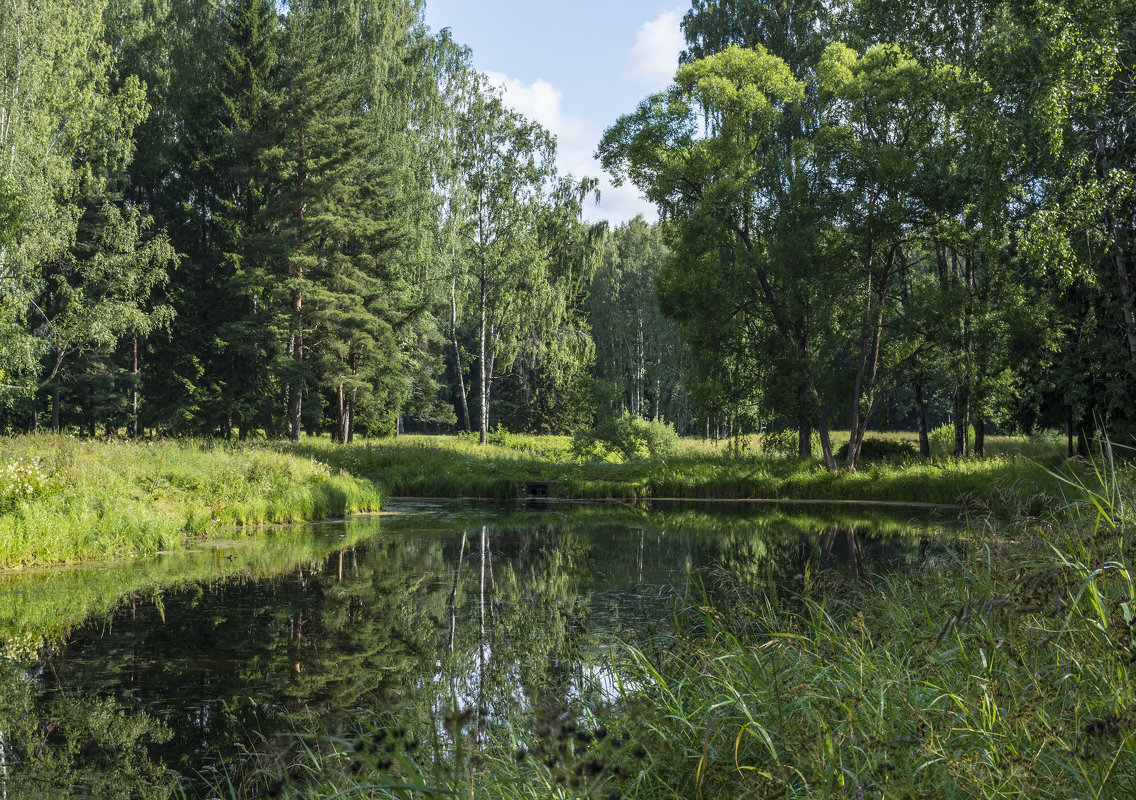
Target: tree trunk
(482, 355)
(1125, 294)
(639, 366)
(351, 400)
(483, 390)
(804, 426)
(134, 395)
(55, 428)
(340, 415)
(870, 345)
(921, 411)
(795, 337)
(979, 436)
(457, 353)
(295, 405)
(297, 399)
(1069, 431)
(962, 416)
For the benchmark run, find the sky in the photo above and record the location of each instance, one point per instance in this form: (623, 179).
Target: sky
(574, 67)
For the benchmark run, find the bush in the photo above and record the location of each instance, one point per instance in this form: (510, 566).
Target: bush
(881, 450)
(627, 437)
(942, 439)
(786, 442)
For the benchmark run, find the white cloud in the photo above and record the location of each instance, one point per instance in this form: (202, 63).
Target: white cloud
(543, 102)
(576, 140)
(654, 57)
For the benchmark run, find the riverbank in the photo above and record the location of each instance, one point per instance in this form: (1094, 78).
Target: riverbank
(64, 500)
(1017, 476)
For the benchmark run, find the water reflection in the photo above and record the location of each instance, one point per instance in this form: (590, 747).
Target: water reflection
(190, 661)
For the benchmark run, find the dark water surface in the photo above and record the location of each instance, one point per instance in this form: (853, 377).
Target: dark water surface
(115, 674)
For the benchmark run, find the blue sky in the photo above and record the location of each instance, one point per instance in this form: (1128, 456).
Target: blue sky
(574, 67)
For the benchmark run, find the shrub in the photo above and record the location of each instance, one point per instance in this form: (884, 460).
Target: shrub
(628, 437)
(942, 439)
(501, 437)
(881, 450)
(784, 442)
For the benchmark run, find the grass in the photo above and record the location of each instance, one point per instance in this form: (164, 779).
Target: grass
(64, 500)
(456, 466)
(1004, 672)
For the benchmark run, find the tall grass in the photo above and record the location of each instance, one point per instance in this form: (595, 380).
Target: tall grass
(102, 500)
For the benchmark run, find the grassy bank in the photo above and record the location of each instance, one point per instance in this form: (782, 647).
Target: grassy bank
(64, 500)
(1004, 672)
(456, 466)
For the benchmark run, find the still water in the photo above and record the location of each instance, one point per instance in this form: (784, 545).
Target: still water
(117, 677)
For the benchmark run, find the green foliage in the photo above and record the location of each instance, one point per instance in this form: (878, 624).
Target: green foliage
(628, 438)
(873, 450)
(639, 356)
(783, 443)
(942, 439)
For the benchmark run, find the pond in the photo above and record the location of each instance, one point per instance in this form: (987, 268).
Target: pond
(116, 677)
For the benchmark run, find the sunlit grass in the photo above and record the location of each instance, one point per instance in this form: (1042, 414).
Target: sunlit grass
(115, 499)
(457, 466)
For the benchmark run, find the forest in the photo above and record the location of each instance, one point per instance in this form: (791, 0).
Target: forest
(229, 218)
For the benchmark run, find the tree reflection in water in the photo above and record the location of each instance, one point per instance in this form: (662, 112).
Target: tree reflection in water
(500, 614)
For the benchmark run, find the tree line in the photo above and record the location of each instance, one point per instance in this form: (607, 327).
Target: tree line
(229, 217)
(897, 199)
(233, 218)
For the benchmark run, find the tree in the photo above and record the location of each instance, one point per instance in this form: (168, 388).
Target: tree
(723, 192)
(64, 130)
(505, 162)
(639, 357)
